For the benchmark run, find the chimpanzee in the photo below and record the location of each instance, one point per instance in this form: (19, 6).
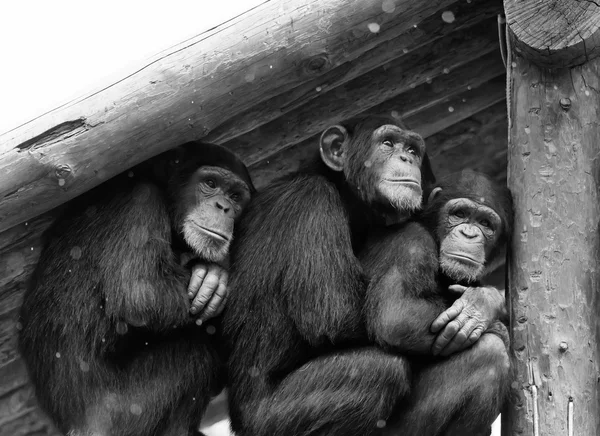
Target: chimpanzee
(107, 333)
(297, 288)
(459, 237)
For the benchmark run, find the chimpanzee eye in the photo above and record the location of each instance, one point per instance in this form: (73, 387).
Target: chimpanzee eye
(211, 183)
(235, 197)
(412, 151)
(388, 143)
(459, 213)
(486, 223)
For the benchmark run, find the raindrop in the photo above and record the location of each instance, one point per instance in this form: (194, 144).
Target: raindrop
(469, 87)
(121, 328)
(464, 100)
(26, 224)
(395, 114)
(404, 50)
(58, 355)
(415, 26)
(19, 326)
(31, 248)
(448, 17)
(527, 130)
(61, 182)
(412, 86)
(318, 89)
(253, 371)
(450, 109)
(514, 65)
(381, 423)
(428, 80)
(85, 367)
(368, 164)
(388, 6)
(193, 398)
(446, 70)
(103, 339)
(146, 343)
(135, 409)
(587, 92)
(76, 253)
(211, 330)
(374, 27)
(271, 66)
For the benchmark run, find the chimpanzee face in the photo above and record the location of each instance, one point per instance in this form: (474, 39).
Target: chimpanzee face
(381, 161)
(396, 159)
(210, 203)
(468, 232)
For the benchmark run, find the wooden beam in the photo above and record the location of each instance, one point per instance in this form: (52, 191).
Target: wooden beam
(554, 176)
(428, 120)
(557, 33)
(460, 15)
(371, 89)
(188, 91)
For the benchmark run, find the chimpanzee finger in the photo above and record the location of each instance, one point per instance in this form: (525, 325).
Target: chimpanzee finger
(198, 273)
(222, 306)
(458, 289)
(214, 304)
(461, 339)
(447, 334)
(448, 315)
(208, 288)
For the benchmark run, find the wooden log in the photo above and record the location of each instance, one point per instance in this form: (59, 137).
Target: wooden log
(554, 175)
(188, 91)
(557, 33)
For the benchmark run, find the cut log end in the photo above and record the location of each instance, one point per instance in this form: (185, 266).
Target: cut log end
(556, 34)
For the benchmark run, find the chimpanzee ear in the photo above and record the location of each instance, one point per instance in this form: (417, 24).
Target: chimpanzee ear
(433, 194)
(333, 146)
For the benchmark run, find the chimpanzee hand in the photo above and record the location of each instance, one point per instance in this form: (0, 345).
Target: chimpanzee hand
(464, 322)
(208, 290)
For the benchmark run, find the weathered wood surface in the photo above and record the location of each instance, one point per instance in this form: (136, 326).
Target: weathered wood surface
(555, 33)
(554, 175)
(188, 91)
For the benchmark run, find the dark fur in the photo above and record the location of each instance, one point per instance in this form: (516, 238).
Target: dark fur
(297, 294)
(461, 394)
(112, 257)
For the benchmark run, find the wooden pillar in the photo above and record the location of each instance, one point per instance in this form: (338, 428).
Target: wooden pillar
(554, 176)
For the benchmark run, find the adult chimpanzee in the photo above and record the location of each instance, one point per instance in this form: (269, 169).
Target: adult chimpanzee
(297, 288)
(464, 229)
(107, 334)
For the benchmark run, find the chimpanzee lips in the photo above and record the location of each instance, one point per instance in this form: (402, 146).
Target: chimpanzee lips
(213, 233)
(404, 181)
(462, 257)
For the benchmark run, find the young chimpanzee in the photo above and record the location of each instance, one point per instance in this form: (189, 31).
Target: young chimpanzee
(460, 236)
(297, 289)
(107, 334)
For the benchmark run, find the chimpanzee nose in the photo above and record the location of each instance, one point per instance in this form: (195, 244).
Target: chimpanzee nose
(221, 205)
(468, 232)
(405, 158)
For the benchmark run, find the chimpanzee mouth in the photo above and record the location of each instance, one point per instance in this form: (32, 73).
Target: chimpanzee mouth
(463, 258)
(405, 181)
(213, 233)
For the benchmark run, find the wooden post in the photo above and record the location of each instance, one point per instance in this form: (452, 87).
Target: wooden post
(554, 176)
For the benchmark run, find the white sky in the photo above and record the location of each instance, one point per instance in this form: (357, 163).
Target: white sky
(52, 51)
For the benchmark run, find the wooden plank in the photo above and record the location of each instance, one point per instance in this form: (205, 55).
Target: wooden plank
(554, 176)
(428, 121)
(557, 33)
(366, 91)
(458, 16)
(188, 91)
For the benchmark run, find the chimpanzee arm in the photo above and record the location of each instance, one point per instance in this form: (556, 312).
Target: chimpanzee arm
(402, 297)
(141, 280)
(295, 249)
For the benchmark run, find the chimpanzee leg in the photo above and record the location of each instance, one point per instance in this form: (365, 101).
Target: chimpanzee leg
(163, 390)
(348, 393)
(461, 395)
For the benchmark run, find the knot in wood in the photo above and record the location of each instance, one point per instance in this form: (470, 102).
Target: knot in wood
(565, 103)
(317, 64)
(563, 346)
(62, 171)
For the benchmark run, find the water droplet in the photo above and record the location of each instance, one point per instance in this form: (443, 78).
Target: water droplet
(428, 80)
(374, 27)
(211, 330)
(415, 26)
(514, 65)
(412, 86)
(404, 50)
(121, 328)
(381, 423)
(448, 17)
(135, 409)
(58, 355)
(61, 182)
(450, 109)
(76, 253)
(31, 248)
(146, 343)
(253, 371)
(19, 326)
(271, 66)
(395, 114)
(469, 87)
(26, 224)
(318, 89)
(527, 130)
(388, 6)
(464, 100)
(368, 164)
(85, 367)
(103, 339)
(587, 92)
(482, 199)
(446, 70)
